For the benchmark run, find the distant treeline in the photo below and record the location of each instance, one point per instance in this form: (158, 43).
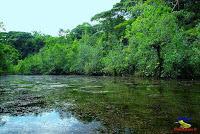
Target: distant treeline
(150, 38)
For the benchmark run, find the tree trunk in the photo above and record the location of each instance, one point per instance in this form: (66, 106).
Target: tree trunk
(160, 62)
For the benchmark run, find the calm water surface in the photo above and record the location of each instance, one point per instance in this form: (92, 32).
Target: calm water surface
(80, 104)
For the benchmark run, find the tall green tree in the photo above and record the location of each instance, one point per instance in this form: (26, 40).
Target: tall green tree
(156, 40)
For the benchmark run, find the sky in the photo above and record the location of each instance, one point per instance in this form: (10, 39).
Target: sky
(48, 16)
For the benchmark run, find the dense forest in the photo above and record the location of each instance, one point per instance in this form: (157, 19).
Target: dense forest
(148, 38)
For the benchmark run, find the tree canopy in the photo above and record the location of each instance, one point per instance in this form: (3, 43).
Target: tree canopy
(150, 38)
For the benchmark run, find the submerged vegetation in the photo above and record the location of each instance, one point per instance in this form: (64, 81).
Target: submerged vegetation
(149, 38)
(120, 105)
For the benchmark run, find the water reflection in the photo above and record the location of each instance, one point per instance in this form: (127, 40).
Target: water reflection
(80, 104)
(48, 122)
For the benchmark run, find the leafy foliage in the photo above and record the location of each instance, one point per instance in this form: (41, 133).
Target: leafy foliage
(25, 43)
(150, 38)
(9, 57)
(155, 39)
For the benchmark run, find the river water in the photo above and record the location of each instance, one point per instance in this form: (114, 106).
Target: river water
(83, 104)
